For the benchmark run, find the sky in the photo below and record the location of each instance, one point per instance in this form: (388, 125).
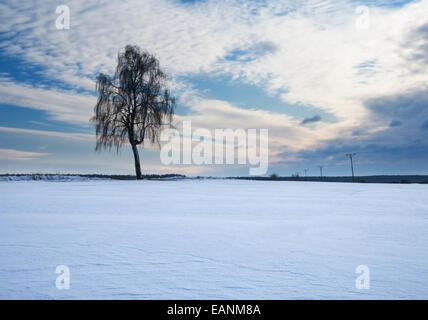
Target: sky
(326, 78)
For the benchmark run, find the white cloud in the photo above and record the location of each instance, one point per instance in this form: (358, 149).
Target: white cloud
(285, 133)
(319, 45)
(61, 105)
(12, 155)
(82, 137)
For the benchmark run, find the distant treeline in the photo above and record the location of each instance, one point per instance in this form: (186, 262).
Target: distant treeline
(133, 177)
(171, 176)
(363, 179)
(70, 176)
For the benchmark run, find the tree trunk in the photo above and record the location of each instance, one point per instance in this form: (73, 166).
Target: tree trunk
(137, 162)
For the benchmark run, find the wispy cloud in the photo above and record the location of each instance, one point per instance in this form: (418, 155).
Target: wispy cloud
(68, 106)
(53, 134)
(12, 154)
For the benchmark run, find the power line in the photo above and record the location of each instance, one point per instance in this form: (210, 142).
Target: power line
(321, 167)
(350, 156)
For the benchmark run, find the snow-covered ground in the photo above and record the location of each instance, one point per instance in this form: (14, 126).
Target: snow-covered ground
(212, 239)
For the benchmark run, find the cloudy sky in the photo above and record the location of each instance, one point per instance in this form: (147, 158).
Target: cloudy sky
(325, 77)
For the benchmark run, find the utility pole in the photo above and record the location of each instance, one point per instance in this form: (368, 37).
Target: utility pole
(306, 174)
(350, 156)
(321, 167)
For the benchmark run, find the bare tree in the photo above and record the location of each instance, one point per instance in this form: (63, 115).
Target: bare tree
(134, 104)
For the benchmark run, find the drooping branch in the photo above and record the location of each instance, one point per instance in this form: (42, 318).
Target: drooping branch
(133, 105)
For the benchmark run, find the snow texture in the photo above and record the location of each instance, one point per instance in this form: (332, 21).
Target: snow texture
(212, 239)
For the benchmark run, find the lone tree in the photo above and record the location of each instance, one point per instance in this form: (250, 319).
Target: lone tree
(134, 104)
